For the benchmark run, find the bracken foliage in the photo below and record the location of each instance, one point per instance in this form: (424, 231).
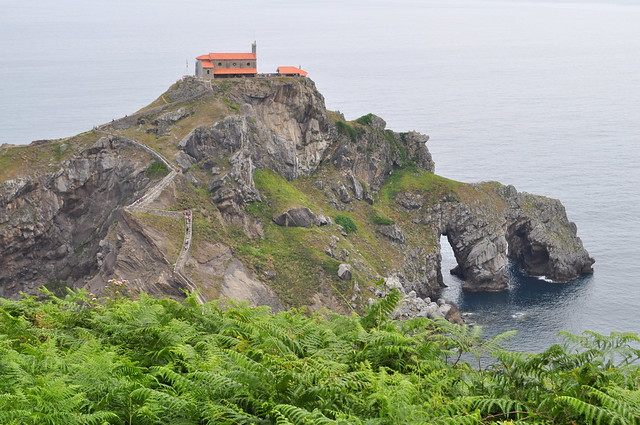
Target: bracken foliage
(116, 360)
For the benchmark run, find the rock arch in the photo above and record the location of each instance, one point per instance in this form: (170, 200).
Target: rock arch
(531, 230)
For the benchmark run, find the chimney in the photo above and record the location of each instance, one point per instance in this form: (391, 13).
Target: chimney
(253, 47)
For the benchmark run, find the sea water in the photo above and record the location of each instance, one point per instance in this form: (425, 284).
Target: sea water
(543, 95)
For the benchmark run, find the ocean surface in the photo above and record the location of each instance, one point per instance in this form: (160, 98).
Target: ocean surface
(544, 95)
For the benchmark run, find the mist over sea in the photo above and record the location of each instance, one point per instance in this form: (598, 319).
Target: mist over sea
(544, 95)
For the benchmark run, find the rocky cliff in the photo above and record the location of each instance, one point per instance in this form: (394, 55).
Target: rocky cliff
(292, 205)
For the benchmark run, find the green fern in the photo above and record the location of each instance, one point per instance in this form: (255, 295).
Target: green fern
(77, 360)
(380, 310)
(295, 415)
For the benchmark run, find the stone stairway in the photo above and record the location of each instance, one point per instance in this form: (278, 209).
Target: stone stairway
(153, 193)
(178, 269)
(141, 204)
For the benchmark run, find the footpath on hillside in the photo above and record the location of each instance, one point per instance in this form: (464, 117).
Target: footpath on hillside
(142, 205)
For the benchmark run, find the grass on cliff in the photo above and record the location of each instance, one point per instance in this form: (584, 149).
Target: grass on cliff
(300, 265)
(162, 100)
(202, 112)
(434, 188)
(208, 225)
(295, 254)
(347, 223)
(282, 195)
(29, 160)
(145, 361)
(298, 254)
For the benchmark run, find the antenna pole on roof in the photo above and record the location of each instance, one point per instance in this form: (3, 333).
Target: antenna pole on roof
(253, 47)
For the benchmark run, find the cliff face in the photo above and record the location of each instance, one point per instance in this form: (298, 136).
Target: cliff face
(285, 197)
(50, 223)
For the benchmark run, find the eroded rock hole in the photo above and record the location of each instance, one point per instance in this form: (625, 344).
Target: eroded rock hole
(531, 257)
(449, 262)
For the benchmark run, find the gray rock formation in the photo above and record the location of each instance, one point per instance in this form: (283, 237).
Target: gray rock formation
(296, 217)
(282, 127)
(344, 271)
(412, 305)
(542, 239)
(236, 281)
(532, 230)
(184, 160)
(321, 220)
(50, 224)
(375, 154)
(393, 233)
(166, 120)
(342, 193)
(358, 191)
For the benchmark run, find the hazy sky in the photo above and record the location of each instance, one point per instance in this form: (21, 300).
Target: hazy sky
(70, 64)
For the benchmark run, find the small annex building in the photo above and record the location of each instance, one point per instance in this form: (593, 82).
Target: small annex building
(227, 65)
(291, 71)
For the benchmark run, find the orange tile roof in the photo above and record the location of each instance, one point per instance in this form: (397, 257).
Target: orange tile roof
(226, 71)
(227, 56)
(207, 64)
(291, 70)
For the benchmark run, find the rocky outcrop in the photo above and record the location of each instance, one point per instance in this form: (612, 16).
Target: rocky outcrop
(51, 225)
(129, 252)
(411, 305)
(184, 161)
(166, 120)
(478, 244)
(280, 127)
(414, 306)
(284, 128)
(531, 230)
(392, 232)
(226, 276)
(296, 217)
(375, 154)
(69, 221)
(420, 271)
(541, 238)
(344, 271)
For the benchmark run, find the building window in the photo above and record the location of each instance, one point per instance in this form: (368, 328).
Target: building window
(219, 63)
(248, 63)
(234, 64)
(208, 72)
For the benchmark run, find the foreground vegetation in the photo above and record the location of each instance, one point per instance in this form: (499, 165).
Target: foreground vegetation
(115, 360)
